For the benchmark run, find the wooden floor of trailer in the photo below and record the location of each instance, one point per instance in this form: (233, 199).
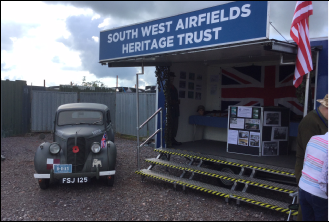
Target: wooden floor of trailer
(219, 149)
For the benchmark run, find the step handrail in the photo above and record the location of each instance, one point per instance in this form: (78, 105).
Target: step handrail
(159, 130)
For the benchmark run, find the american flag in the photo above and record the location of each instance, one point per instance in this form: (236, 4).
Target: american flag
(103, 141)
(299, 32)
(259, 86)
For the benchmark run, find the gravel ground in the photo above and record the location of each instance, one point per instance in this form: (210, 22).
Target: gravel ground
(129, 198)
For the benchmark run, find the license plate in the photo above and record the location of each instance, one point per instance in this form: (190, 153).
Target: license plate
(62, 168)
(75, 180)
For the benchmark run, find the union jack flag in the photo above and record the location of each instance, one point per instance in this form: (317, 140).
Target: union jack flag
(103, 141)
(259, 86)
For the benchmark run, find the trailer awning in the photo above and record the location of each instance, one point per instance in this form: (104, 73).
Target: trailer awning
(246, 52)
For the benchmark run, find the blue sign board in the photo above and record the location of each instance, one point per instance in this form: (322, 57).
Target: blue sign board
(229, 23)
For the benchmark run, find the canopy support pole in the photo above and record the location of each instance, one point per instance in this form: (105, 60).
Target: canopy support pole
(137, 106)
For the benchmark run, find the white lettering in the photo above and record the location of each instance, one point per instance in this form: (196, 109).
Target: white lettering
(122, 37)
(147, 44)
(237, 9)
(154, 44)
(216, 31)
(137, 46)
(208, 18)
(170, 40)
(222, 18)
(162, 42)
(124, 48)
(109, 37)
(134, 34)
(161, 28)
(131, 47)
(186, 23)
(196, 39)
(181, 38)
(245, 9)
(180, 25)
(193, 20)
(146, 31)
(188, 38)
(214, 17)
(115, 37)
(168, 25)
(207, 35)
(155, 29)
(201, 19)
(128, 33)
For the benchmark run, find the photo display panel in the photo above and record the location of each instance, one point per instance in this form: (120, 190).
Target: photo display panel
(275, 136)
(244, 130)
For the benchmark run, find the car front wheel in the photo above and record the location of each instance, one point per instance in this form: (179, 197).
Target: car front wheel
(110, 180)
(43, 183)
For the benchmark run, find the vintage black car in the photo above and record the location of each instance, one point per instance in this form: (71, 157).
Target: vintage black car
(82, 148)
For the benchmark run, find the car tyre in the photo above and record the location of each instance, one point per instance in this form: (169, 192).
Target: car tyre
(44, 183)
(110, 181)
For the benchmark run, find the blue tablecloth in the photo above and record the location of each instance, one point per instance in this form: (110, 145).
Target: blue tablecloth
(221, 122)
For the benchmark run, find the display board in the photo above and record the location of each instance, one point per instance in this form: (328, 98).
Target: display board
(275, 135)
(244, 130)
(258, 131)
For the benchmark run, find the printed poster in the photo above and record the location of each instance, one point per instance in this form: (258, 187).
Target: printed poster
(232, 137)
(244, 111)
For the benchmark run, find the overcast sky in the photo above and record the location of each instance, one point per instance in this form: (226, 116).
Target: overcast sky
(58, 41)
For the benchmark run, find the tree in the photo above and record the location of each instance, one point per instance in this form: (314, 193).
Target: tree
(96, 83)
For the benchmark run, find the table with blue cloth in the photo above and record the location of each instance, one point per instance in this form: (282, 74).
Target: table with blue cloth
(220, 122)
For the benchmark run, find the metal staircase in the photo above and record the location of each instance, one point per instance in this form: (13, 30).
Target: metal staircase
(236, 179)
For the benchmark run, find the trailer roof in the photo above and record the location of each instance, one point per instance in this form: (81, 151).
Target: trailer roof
(269, 50)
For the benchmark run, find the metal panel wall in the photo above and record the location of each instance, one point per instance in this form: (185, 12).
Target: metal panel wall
(105, 98)
(12, 108)
(126, 121)
(44, 105)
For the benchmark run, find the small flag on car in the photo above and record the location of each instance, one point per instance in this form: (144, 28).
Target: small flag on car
(51, 162)
(103, 142)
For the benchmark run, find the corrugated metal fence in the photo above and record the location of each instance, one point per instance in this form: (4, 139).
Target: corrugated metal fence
(43, 108)
(123, 114)
(126, 117)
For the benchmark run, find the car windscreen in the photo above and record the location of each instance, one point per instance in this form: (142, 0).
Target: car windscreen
(80, 117)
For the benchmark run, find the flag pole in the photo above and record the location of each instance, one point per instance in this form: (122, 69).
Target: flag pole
(306, 93)
(307, 80)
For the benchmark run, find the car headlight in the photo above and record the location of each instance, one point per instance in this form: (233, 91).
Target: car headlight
(54, 148)
(95, 147)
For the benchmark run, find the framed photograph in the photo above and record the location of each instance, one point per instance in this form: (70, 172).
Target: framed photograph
(243, 141)
(198, 87)
(233, 112)
(181, 94)
(279, 134)
(272, 118)
(191, 85)
(182, 75)
(191, 76)
(214, 78)
(236, 123)
(198, 96)
(254, 140)
(252, 124)
(198, 77)
(255, 113)
(190, 95)
(182, 84)
(270, 148)
(213, 89)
